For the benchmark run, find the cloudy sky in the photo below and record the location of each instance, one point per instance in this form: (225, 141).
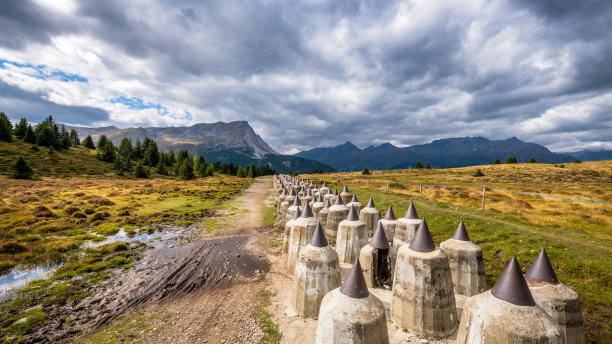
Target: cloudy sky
(317, 73)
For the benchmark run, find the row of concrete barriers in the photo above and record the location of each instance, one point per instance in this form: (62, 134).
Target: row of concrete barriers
(436, 291)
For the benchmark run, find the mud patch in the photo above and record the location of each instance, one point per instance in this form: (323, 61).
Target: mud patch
(161, 274)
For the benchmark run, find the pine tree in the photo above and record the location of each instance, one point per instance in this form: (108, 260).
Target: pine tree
(151, 153)
(45, 136)
(532, 161)
(29, 135)
(137, 151)
(418, 165)
(200, 166)
(88, 142)
(6, 128)
(186, 170)
(141, 171)
(427, 166)
(64, 138)
(170, 158)
(161, 168)
(21, 169)
(511, 160)
(365, 171)
(478, 173)
(241, 173)
(20, 128)
(107, 152)
(497, 161)
(74, 138)
(101, 142)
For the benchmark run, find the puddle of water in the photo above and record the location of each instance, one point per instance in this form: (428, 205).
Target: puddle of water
(19, 278)
(156, 239)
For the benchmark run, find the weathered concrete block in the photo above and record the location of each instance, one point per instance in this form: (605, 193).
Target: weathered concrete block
(351, 237)
(352, 315)
(370, 215)
(316, 273)
(301, 233)
(288, 228)
(389, 224)
(336, 214)
(466, 264)
(406, 227)
(355, 203)
(346, 195)
(423, 300)
(317, 205)
(557, 299)
(377, 260)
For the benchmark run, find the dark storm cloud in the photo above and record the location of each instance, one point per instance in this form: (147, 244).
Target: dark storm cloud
(17, 103)
(321, 73)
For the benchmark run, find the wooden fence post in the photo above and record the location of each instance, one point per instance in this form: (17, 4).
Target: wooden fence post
(387, 186)
(421, 190)
(484, 192)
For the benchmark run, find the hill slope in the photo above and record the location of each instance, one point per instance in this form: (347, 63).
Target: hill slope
(234, 142)
(457, 152)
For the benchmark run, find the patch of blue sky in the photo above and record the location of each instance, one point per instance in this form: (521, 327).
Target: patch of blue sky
(134, 103)
(43, 72)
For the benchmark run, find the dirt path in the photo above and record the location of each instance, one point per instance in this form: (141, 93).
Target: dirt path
(202, 292)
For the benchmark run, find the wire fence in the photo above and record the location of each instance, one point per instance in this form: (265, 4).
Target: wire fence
(483, 187)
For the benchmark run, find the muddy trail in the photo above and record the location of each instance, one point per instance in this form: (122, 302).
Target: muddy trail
(167, 276)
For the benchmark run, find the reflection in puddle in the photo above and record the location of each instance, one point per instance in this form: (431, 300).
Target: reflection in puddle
(21, 277)
(156, 239)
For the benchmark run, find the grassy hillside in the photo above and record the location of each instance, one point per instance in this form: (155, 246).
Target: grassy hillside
(576, 235)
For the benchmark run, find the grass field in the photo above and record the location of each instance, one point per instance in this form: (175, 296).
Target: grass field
(577, 236)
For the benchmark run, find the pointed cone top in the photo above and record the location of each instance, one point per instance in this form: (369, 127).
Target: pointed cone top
(354, 199)
(422, 240)
(512, 287)
(284, 192)
(352, 215)
(335, 192)
(541, 270)
(355, 285)
(411, 212)
(370, 203)
(327, 205)
(324, 184)
(297, 214)
(339, 201)
(379, 239)
(318, 237)
(297, 201)
(390, 214)
(292, 192)
(307, 211)
(461, 233)
(345, 189)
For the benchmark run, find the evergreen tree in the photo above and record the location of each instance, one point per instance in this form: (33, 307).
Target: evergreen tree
(182, 156)
(6, 128)
(448, 166)
(241, 173)
(497, 161)
(141, 171)
(74, 138)
(125, 148)
(107, 152)
(101, 142)
(21, 169)
(365, 171)
(200, 166)
(427, 166)
(170, 158)
(20, 128)
(88, 142)
(532, 161)
(511, 160)
(478, 173)
(29, 135)
(118, 165)
(45, 136)
(418, 165)
(161, 169)
(151, 153)
(210, 171)
(186, 170)
(138, 151)
(65, 138)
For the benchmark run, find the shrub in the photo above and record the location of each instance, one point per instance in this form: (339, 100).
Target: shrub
(577, 161)
(21, 169)
(532, 161)
(365, 171)
(478, 173)
(497, 161)
(511, 160)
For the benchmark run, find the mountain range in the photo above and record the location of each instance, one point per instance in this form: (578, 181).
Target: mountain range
(230, 142)
(456, 152)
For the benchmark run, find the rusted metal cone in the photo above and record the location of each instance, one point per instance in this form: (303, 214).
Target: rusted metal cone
(406, 227)
(557, 299)
(507, 314)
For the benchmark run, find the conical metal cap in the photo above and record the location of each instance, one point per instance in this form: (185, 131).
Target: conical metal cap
(307, 211)
(370, 203)
(422, 240)
(355, 285)
(541, 270)
(512, 287)
(379, 239)
(318, 237)
(411, 212)
(292, 192)
(324, 184)
(297, 214)
(352, 215)
(335, 192)
(346, 189)
(390, 214)
(461, 233)
(284, 192)
(327, 205)
(339, 201)
(297, 201)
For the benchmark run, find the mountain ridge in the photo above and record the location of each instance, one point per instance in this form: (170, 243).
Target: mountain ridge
(457, 152)
(228, 142)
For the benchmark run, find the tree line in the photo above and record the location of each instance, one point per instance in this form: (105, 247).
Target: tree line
(139, 157)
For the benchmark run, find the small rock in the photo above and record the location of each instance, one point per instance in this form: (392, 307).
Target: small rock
(424, 341)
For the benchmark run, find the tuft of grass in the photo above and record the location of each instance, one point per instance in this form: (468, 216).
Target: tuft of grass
(107, 229)
(271, 334)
